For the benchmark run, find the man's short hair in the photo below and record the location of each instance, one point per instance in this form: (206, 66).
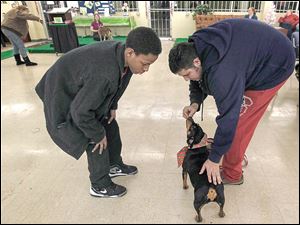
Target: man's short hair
(143, 40)
(181, 56)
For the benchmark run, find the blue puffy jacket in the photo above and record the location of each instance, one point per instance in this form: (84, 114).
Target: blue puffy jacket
(238, 55)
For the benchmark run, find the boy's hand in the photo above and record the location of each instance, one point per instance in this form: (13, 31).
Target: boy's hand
(113, 114)
(101, 146)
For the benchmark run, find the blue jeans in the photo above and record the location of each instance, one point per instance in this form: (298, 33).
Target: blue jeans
(19, 47)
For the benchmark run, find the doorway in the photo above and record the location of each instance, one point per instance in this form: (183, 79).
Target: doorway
(160, 18)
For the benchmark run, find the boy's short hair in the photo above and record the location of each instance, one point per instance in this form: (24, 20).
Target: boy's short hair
(143, 40)
(181, 56)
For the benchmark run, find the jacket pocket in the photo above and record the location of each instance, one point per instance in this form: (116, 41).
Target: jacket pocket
(72, 138)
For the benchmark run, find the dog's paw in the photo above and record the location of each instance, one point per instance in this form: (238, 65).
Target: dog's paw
(185, 187)
(198, 218)
(221, 214)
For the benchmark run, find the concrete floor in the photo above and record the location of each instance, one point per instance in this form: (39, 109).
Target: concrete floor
(42, 184)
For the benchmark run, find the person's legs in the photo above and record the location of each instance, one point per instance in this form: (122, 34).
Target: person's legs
(114, 146)
(17, 44)
(19, 48)
(96, 37)
(2, 40)
(114, 143)
(295, 40)
(252, 110)
(98, 166)
(101, 184)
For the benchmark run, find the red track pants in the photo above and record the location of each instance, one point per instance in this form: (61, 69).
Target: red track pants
(254, 105)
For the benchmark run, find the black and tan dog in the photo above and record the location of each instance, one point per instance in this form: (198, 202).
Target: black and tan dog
(195, 155)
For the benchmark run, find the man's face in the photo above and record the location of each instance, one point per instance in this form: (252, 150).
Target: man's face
(139, 64)
(193, 73)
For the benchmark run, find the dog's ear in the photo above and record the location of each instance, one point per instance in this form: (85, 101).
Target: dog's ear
(189, 122)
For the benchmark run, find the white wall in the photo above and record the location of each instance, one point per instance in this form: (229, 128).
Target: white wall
(141, 17)
(182, 25)
(36, 29)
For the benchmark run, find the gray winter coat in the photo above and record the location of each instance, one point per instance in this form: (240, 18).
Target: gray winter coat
(78, 92)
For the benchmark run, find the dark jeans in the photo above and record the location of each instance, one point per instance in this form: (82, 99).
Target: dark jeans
(289, 27)
(99, 165)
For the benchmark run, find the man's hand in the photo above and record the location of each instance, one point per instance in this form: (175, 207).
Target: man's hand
(190, 110)
(101, 146)
(113, 114)
(213, 171)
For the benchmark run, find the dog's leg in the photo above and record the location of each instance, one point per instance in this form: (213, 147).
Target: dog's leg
(221, 199)
(198, 216)
(221, 212)
(184, 179)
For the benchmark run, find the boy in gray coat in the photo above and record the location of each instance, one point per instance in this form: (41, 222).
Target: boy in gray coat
(80, 93)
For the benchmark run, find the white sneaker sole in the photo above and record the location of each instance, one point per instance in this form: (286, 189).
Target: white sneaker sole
(94, 194)
(122, 174)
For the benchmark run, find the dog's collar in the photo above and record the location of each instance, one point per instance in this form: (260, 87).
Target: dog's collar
(202, 143)
(199, 145)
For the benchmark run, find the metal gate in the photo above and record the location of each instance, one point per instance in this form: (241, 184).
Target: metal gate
(160, 18)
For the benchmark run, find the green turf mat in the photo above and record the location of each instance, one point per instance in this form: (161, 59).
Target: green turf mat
(86, 41)
(48, 48)
(89, 40)
(6, 54)
(119, 38)
(179, 40)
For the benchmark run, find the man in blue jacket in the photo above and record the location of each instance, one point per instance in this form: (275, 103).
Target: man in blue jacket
(242, 64)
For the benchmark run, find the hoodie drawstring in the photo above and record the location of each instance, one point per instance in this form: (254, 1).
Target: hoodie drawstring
(202, 106)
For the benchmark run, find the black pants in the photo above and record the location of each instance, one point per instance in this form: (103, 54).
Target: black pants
(289, 27)
(99, 165)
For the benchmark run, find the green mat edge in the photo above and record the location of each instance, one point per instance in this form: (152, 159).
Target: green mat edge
(6, 54)
(82, 41)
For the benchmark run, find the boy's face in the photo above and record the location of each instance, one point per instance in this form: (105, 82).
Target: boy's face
(139, 64)
(193, 73)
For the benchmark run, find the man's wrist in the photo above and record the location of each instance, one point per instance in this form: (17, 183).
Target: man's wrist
(195, 105)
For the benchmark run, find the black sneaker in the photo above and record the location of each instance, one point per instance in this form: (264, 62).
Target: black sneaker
(122, 170)
(112, 191)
